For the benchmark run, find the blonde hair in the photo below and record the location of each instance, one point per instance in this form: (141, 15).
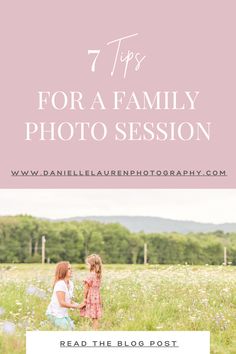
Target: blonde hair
(95, 263)
(61, 271)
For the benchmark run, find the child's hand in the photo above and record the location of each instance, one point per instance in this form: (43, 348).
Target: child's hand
(82, 305)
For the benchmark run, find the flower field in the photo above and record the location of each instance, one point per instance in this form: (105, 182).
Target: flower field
(134, 298)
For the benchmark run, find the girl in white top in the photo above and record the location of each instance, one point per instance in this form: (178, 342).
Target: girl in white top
(57, 311)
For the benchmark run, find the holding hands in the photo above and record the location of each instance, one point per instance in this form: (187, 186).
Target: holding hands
(82, 305)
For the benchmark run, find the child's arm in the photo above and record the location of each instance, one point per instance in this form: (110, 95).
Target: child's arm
(86, 290)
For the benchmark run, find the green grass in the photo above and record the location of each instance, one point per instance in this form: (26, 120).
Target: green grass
(134, 298)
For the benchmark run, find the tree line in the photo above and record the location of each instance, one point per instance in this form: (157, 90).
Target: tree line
(20, 242)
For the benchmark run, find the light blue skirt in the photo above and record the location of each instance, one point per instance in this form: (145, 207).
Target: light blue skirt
(64, 323)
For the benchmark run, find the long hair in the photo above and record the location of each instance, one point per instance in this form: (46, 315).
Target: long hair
(95, 263)
(61, 271)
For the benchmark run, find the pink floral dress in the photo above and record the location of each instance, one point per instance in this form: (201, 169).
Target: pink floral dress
(93, 308)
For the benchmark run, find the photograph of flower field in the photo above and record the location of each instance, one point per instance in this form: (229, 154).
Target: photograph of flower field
(135, 297)
(170, 273)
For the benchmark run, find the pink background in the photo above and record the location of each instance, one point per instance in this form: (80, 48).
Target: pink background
(190, 45)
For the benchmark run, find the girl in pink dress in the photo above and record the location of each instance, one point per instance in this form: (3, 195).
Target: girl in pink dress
(92, 305)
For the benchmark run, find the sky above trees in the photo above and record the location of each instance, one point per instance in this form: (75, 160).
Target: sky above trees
(203, 205)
